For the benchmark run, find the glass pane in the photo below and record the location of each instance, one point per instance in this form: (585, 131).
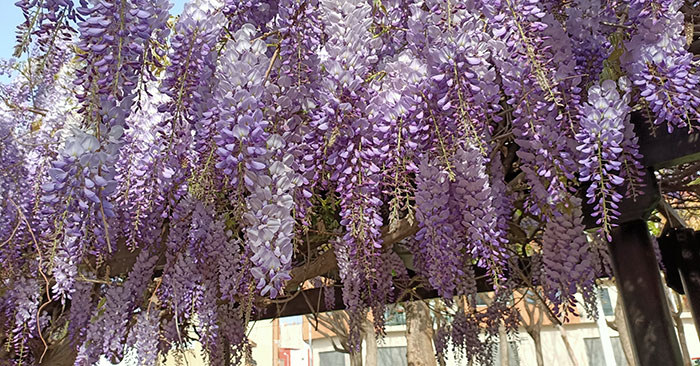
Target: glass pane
(513, 358)
(391, 356)
(607, 304)
(594, 351)
(332, 358)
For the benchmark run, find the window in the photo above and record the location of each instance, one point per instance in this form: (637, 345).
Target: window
(594, 351)
(513, 358)
(391, 356)
(605, 300)
(394, 315)
(331, 358)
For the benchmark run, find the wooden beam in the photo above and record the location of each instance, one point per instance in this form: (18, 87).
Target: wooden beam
(312, 300)
(326, 262)
(661, 149)
(630, 208)
(643, 297)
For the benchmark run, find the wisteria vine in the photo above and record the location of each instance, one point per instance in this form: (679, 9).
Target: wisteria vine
(161, 174)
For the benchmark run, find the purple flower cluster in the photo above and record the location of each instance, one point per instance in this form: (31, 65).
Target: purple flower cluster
(106, 334)
(48, 21)
(468, 231)
(588, 26)
(566, 257)
(220, 147)
(605, 133)
(143, 337)
(115, 41)
(270, 222)
(81, 175)
(438, 252)
(660, 64)
(353, 148)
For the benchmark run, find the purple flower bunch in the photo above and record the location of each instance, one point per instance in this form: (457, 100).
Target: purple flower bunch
(465, 89)
(600, 142)
(353, 149)
(208, 145)
(81, 175)
(115, 41)
(519, 53)
(242, 135)
(143, 178)
(269, 220)
(142, 338)
(588, 26)
(566, 257)
(49, 22)
(20, 307)
(256, 12)
(106, 334)
(450, 240)
(659, 63)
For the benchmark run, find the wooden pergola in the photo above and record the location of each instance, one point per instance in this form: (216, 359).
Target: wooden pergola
(632, 255)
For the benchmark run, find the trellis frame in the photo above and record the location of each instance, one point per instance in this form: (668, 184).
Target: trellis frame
(634, 263)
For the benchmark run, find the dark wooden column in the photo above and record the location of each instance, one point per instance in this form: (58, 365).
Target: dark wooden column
(680, 248)
(690, 271)
(643, 297)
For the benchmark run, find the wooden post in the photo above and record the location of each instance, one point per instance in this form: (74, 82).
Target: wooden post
(646, 308)
(688, 246)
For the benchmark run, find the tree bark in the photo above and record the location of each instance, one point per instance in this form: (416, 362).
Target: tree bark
(503, 346)
(569, 349)
(370, 344)
(538, 347)
(419, 340)
(356, 359)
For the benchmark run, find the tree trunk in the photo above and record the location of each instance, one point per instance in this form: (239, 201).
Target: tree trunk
(356, 359)
(538, 346)
(569, 349)
(503, 346)
(621, 325)
(419, 343)
(370, 344)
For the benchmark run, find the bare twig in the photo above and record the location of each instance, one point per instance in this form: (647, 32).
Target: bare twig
(41, 271)
(269, 67)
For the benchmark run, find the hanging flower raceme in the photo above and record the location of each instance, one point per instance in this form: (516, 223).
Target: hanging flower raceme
(398, 104)
(600, 142)
(255, 161)
(270, 222)
(437, 251)
(106, 334)
(49, 22)
(143, 183)
(352, 149)
(115, 40)
(189, 82)
(660, 65)
(567, 258)
(161, 176)
(589, 25)
(81, 176)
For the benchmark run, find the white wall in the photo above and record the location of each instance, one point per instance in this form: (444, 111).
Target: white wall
(261, 334)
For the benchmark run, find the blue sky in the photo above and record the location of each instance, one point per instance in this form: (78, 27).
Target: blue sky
(10, 16)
